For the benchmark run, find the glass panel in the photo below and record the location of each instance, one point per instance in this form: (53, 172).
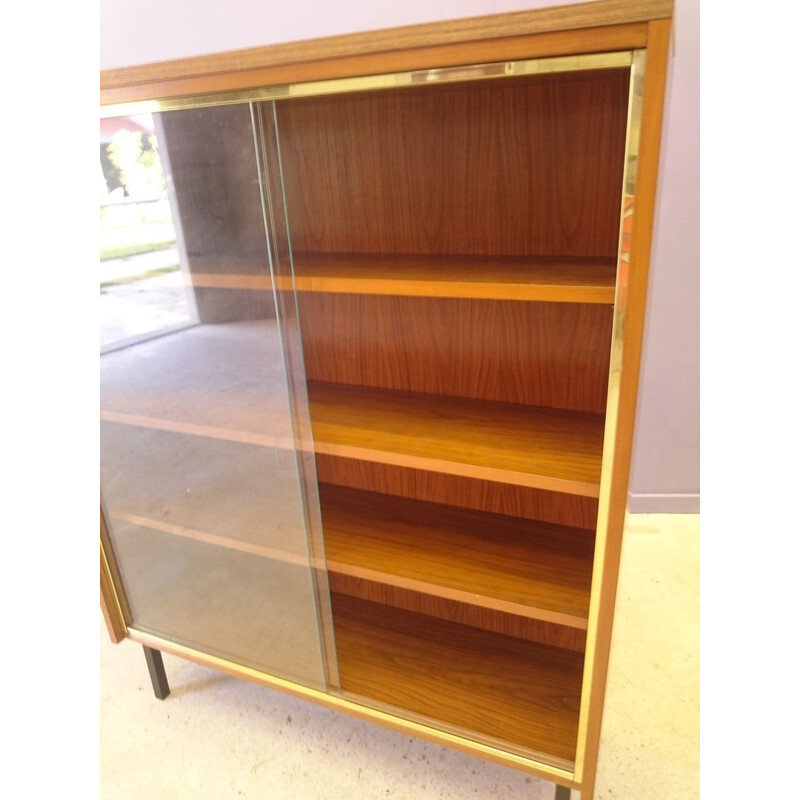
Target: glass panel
(141, 291)
(201, 482)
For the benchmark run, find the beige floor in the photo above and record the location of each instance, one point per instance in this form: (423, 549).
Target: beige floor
(217, 737)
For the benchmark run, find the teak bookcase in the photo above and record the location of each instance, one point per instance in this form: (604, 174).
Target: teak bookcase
(386, 469)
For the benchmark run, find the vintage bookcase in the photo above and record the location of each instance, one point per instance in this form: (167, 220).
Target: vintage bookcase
(385, 465)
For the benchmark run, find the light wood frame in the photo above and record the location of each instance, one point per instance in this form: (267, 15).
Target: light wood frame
(586, 28)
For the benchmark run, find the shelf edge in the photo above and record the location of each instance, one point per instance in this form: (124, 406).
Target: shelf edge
(464, 470)
(363, 573)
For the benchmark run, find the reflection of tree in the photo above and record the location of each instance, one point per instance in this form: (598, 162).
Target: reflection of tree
(138, 162)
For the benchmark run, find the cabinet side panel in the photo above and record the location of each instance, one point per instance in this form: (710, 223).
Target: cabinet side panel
(632, 293)
(397, 171)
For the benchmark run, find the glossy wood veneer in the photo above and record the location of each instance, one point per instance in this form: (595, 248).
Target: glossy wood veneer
(612, 514)
(398, 583)
(436, 487)
(584, 23)
(554, 355)
(494, 685)
(497, 278)
(497, 562)
(540, 448)
(432, 605)
(536, 447)
(391, 589)
(397, 171)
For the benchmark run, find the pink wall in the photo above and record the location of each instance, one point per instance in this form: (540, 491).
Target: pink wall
(666, 464)
(139, 31)
(666, 469)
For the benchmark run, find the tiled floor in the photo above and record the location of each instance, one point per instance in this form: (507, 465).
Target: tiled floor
(217, 737)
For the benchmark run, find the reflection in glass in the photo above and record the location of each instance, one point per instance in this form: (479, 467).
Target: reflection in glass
(200, 482)
(141, 290)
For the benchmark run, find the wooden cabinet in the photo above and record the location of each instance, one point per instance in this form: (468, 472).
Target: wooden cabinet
(382, 463)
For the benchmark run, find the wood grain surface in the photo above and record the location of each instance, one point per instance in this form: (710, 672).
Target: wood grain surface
(634, 302)
(541, 448)
(489, 560)
(380, 586)
(484, 682)
(432, 605)
(360, 576)
(460, 31)
(542, 354)
(606, 39)
(477, 277)
(485, 168)
(198, 383)
(499, 498)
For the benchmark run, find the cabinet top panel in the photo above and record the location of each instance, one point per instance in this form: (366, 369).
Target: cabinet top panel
(582, 28)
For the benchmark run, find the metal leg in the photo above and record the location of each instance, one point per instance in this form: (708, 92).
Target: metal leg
(158, 676)
(562, 792)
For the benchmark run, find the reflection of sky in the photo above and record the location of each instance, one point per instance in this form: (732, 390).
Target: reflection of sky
(136, 122)
(145, 120)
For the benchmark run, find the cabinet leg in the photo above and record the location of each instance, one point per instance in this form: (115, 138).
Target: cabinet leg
(562, 792)
(158, 676)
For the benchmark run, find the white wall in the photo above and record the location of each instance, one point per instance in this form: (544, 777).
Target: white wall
(666, 469)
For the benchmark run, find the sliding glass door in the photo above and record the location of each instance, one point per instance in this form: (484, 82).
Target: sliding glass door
(207, 480)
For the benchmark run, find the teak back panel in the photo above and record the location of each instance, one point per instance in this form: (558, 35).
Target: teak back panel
(541, 354)
(522, 166)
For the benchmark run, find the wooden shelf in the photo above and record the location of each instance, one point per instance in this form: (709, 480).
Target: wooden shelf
(536, 447)
(497, 562)
(488, 571)
(197, 383)
(489, 560)
(494, 685)
(572, 280)
(497, 278)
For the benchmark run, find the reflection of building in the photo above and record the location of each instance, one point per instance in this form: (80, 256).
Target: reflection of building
(108, 127)
(209, 155)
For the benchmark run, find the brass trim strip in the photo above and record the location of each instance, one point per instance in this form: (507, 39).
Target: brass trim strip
(110, 597)
(336, 703)
(396, 80)
(111, 579)
(612, 408)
